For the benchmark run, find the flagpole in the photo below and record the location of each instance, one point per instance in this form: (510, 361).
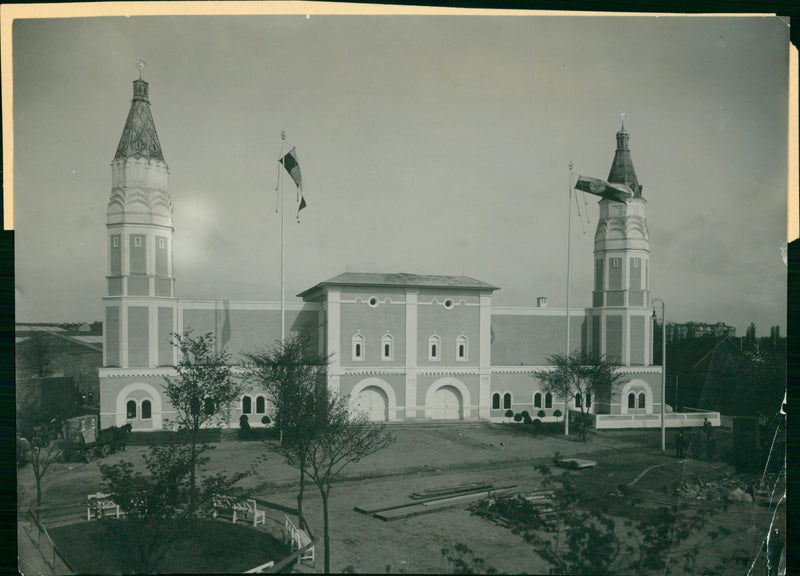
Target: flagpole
(283, 310)
(569, 243)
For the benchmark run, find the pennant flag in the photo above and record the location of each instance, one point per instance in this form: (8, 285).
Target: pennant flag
(289, 162)
(610, 191)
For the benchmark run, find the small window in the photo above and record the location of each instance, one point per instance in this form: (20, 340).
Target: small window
(448, 304)
(161, 243)
(373, 301)
(115, 241)
(358, 346)
(261, 405)
(461, 348)
(615, 262)
(635, 262)
(631, 400)
(131, 409)
(578, 400)
(146, 410)
(208, 406)
(433, 347)
(537, 400)
(641, 400)
(507, 401)
(387, 347)
(496, 401)
(548, 400)
(137, 241)
(247, 405)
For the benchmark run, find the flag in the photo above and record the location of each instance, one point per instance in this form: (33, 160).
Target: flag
(610, 191)
(289, 162)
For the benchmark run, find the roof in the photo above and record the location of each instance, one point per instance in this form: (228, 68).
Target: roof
(139, 138)
(402, 280)
(20, 327)
(622, 171)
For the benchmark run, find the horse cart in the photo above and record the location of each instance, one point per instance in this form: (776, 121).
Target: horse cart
(82, 438)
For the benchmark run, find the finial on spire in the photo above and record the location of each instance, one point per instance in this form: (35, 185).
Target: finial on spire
(283, 135)
(140, 64)
(622, 116)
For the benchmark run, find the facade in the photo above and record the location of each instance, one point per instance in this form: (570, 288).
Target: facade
(676, 331)
(405, 347)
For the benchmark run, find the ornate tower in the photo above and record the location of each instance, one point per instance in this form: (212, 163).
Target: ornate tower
(140, 309)
(620, 315)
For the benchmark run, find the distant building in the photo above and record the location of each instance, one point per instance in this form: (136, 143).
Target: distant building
(699, 329)
(405, 347)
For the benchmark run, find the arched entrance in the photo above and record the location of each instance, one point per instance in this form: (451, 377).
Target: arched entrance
(373, 401)
(447, 404)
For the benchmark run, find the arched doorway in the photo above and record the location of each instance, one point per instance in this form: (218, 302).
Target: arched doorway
(373, 401)
(447, 404)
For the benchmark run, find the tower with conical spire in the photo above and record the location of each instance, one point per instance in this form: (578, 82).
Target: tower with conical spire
(140, 306)
(620, 315)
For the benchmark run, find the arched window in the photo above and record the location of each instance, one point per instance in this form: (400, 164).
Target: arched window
(641, 400)
(261, 405)
(461, 348)
(507, 401)
(387, 347)
(588, 399)
(548, 400)
(358, 346)
(537, 400)
(208, 406)
(496, 401)
(147, 410)
(578, 400)
(434, 344)
(131, 409)
(247, 405)
(631, 400)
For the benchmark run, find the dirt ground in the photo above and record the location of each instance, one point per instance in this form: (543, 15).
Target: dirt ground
(426, 457)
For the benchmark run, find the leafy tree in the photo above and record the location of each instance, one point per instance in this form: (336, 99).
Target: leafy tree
(294, 377)
(750, 334)
(342, 437)
(160, 506)
(202, 392)
(579, 374)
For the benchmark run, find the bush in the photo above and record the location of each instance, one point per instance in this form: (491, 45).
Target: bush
(509, 413)
(265, 420)
(536, 424)
(527, 419)
(518, 417)
(541, 414)
(557, 413)
(525, 414)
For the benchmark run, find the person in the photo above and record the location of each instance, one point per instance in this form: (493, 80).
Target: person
(706, 427)
(244, 427)
(680, 444)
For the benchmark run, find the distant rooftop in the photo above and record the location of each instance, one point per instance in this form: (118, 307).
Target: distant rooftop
(402, 280)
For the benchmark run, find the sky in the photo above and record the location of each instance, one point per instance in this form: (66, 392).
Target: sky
(428, 145)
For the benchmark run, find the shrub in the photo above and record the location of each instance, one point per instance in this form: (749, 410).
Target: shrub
(265, 420)
(518, 417)
(541, 414)
(557, 413)
(537, 424)
(527, 419)
(509, 413)
(525, 414)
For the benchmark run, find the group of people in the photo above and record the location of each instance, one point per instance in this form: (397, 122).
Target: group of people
(702, 442)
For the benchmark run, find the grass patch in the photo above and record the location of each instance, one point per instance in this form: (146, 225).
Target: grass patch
(216, 547)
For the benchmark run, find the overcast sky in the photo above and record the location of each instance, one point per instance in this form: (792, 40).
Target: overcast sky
(428, 144)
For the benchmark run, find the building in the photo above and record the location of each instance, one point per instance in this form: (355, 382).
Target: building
(406, 347)
(676, 331)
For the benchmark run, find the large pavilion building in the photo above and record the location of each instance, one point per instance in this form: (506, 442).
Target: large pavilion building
(405, 347)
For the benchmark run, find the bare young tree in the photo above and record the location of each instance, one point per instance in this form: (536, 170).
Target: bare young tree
(42, 452)
(294, 377)
(202, 393)
(343, 436)
(579, 375)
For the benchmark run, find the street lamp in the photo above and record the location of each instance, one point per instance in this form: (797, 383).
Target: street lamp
(663, 369)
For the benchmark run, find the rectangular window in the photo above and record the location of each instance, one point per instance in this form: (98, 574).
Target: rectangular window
(161, 243)
(115, 241)
(137, 241)
(615, 262)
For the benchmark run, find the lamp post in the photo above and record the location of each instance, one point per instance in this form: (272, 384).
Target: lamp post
(663, 369)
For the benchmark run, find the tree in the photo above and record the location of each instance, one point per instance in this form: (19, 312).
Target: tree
(42, 452)
(342, 437)
(294, 377)
(750, 334)
(202, 392)
(160, 506)
(579, 375)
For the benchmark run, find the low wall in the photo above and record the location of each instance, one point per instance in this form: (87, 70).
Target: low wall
(671, 420)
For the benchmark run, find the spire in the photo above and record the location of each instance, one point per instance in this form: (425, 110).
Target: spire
(139, 138)
(622, 171)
